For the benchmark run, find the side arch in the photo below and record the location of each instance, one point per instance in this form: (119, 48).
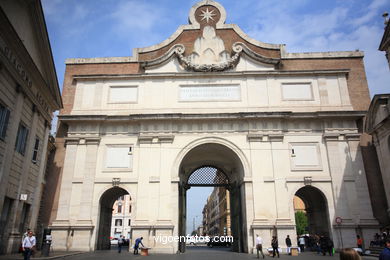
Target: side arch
(104, 216)
(317, 203)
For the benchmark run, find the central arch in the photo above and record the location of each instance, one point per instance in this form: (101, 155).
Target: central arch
(105, 216)
(215, 165)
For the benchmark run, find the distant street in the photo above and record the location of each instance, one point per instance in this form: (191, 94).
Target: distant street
(196, 253)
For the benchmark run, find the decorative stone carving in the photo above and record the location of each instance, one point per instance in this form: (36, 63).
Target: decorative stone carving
(212, 57)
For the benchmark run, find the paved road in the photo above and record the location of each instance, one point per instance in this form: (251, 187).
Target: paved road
(195, 253)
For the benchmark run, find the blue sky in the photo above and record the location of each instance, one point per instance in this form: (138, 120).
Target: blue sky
(109, 28)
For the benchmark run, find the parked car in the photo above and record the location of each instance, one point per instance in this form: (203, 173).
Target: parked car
(114, 241)
(216, 242)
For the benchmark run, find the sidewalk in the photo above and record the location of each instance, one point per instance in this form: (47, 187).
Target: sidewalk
(53, 255)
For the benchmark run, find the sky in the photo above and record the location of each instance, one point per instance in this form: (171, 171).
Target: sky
(110, 28)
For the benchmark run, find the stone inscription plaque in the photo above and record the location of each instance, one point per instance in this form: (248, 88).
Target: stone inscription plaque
(210, 93)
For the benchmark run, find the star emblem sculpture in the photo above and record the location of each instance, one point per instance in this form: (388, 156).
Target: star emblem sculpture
(207, 15)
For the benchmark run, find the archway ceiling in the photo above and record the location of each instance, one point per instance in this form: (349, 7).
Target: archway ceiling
(111, 195)
(212, 155)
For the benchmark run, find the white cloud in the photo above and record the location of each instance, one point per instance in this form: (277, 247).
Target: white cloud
(336, 29)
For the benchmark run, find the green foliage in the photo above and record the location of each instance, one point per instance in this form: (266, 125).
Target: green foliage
(301, 222)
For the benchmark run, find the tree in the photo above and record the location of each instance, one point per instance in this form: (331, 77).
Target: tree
(301, 222)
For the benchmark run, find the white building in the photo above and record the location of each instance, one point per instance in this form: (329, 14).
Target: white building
(212, 107)
(121, 217)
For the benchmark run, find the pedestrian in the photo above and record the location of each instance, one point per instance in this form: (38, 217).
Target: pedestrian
(317, 244)
(288, 244)
(275, 245)
(349, 254)
(323, 244)
(385, 254)
(28, 245)
(359, 242)
(302, 243)
(120, 243)
(330, 246)
(259, 246)
(136, 245)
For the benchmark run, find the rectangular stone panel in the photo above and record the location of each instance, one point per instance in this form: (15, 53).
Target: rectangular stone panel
(123, 94)
(297, 91)
(210, 93)
(118, 157)
(305, 156)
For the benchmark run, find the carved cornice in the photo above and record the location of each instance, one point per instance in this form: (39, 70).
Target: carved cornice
(178, 50)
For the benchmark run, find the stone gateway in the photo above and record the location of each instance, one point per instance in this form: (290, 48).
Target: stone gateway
(274, 124)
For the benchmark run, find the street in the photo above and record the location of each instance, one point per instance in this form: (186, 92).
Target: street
(196, 253)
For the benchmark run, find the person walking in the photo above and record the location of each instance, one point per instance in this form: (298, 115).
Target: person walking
(288, 244)
(275, 245)
(259, 246)
(28, 245)
(349, 254)
(120, 243)
(136, 245)
(330, 246)
(302, 243)
(385, 254)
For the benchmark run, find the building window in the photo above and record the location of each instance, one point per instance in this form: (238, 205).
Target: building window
(25, 217)
(4, 117)
(118, 222)
(119, 208)
(129, 208)
(129, 222)
(21, 139)
(35, 151)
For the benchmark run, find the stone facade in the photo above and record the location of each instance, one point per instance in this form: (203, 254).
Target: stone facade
(376, 154)
(29, 94)
(277, 124)
(385, 43)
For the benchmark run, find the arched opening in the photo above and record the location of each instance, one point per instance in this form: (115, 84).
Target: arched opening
(217, 166)
(311, 203)
(107, 201)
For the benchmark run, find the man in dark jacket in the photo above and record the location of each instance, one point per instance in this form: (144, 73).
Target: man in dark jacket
(275, 245)
(385, 254)
(288, 244)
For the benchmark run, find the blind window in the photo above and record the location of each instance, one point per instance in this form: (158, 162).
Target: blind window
(118, 157)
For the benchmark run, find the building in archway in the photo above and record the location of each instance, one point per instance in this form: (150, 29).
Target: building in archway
(121, 217)
(216, 213)
(273, 124)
